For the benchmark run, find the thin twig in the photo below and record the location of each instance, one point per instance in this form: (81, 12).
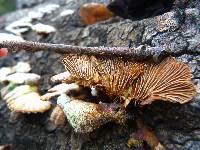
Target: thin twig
(141, 52)
(69, 49)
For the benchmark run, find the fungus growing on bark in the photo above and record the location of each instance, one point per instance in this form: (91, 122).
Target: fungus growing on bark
(169, 81)
(25, 99)
(59, 89)
(57, 117)
(115, 75)
(135, 79)
(141, 82)
(29, 103)
(21, 91)
(94, 12)
(85, 117)
(23, 78)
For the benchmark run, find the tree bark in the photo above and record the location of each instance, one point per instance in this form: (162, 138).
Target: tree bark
(177, 31)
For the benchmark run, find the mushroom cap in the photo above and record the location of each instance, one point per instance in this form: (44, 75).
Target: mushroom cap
(85, 117)
(28, 103)
(57, 116)
(17, 91)
(169, 81)
(94, 12)
(23, 78)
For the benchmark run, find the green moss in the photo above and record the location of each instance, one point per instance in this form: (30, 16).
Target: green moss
(7, 6)
(11, 86)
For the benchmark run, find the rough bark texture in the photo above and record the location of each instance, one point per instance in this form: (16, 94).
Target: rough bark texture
(177, 126)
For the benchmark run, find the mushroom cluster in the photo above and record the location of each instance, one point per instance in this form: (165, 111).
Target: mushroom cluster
(125, 81)
(122, 81)
(21, 92)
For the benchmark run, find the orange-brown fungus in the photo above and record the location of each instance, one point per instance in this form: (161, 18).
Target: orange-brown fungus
(94, 12)
(113, 75)
(169, 81)
(82, 69)
(116, 75)
(139, 82)
(57, 116)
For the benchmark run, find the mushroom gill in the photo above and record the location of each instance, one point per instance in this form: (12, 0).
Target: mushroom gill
(139, 81)
(114, 75)
(169, 81)
(82, 68)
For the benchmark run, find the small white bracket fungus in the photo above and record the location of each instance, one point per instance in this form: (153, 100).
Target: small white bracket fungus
(22, 67)
(18, 91)
(66, 12)
(23, 78)
(61, 76)
(28, 103)
(59, 89)
(4, 72)
(43, 29)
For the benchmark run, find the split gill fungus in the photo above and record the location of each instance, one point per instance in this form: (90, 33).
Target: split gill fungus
(139, 82)
(85, 117)
(124, 75)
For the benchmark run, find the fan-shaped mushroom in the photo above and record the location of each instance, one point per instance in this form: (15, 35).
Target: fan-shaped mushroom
(169, 81)
(25, 99)
(29, 103)
(139, 82)
(114, 75)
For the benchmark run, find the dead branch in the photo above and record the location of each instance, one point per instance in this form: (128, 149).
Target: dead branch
(141, 52)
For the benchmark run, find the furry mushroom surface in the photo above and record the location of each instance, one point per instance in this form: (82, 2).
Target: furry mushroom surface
(85, 117)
